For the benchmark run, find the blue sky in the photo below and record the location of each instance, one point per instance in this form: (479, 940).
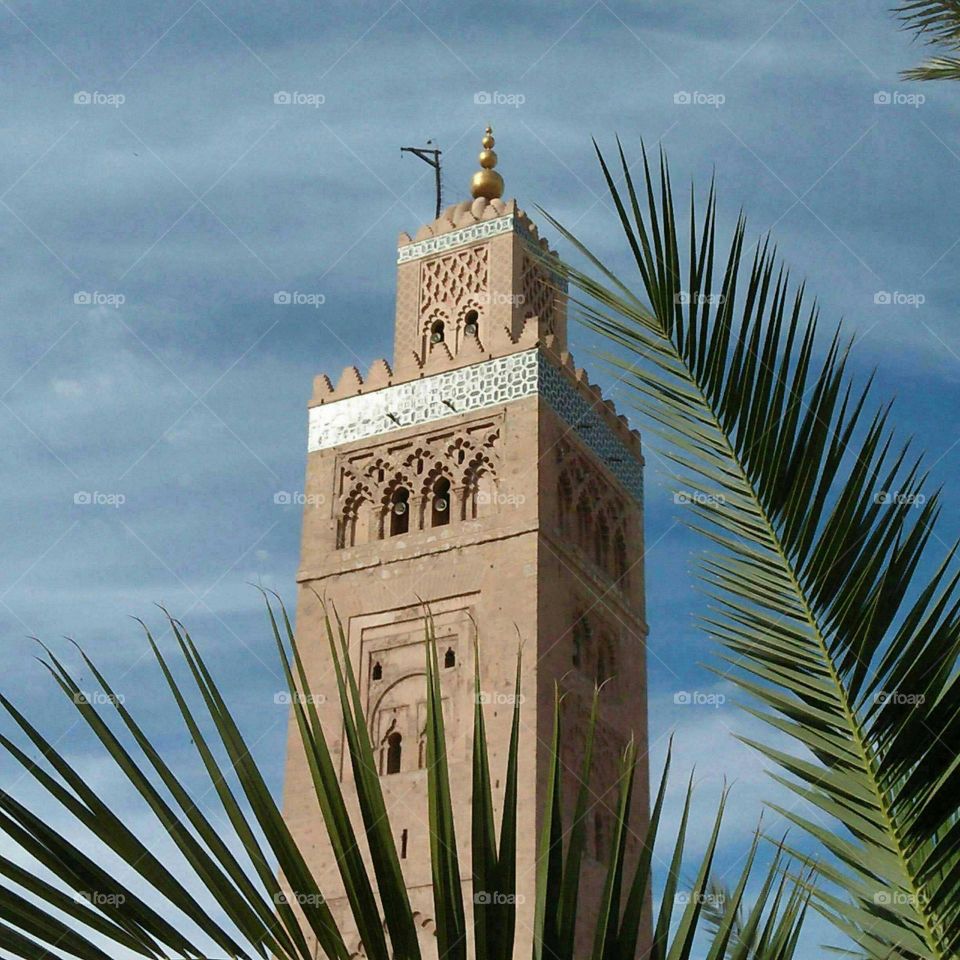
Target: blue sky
(181, 198)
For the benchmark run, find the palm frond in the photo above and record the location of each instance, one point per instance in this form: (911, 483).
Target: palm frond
(819, 524)
(269, 904)
(938, 23)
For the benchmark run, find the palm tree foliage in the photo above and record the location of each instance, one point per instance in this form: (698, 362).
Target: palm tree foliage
(85, 911)
(937, 22)
(817, 524)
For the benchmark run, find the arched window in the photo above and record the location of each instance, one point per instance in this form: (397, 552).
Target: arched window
(440, 504)
(449, 659)
(377, 672)
(606, 659)
(581, 641)
(394, 751)
(601, 543)
(471, 323)
(584, 521)
(345, 530)
(399, 511)
(436, 332)
(599, 837)
(620, 568)
(471, 492)
(350, 521)
(564, 503)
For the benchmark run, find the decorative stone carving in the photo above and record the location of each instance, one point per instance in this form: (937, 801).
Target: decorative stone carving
(457, 238)
(478, 387)
(453, 279)
(537, 291)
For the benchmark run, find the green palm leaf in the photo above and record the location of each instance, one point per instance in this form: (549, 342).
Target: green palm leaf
(938, 23)
(819, 524)
(271, 906)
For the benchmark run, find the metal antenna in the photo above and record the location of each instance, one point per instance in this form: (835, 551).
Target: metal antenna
(430, 155)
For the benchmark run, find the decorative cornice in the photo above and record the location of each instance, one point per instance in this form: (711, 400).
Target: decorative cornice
(469, 389)
(456, 238)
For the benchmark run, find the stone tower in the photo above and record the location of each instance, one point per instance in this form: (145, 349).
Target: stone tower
(482, 472)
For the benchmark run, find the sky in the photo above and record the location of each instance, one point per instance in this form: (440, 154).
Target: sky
(155, 198)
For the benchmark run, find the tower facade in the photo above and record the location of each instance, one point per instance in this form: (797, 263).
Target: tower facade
(481, 473)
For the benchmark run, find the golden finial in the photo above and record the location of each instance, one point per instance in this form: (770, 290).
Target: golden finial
(487, 182)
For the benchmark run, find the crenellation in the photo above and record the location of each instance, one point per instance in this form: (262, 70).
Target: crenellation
(322, 388)
(350, 382)
(379, 375)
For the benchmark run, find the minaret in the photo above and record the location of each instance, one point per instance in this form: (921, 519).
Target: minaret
(483, 473)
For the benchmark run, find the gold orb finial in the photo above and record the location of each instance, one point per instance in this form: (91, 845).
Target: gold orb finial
(486, 182)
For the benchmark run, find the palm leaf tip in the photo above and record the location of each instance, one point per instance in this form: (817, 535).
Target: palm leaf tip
(936, 23)
(823, 602)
